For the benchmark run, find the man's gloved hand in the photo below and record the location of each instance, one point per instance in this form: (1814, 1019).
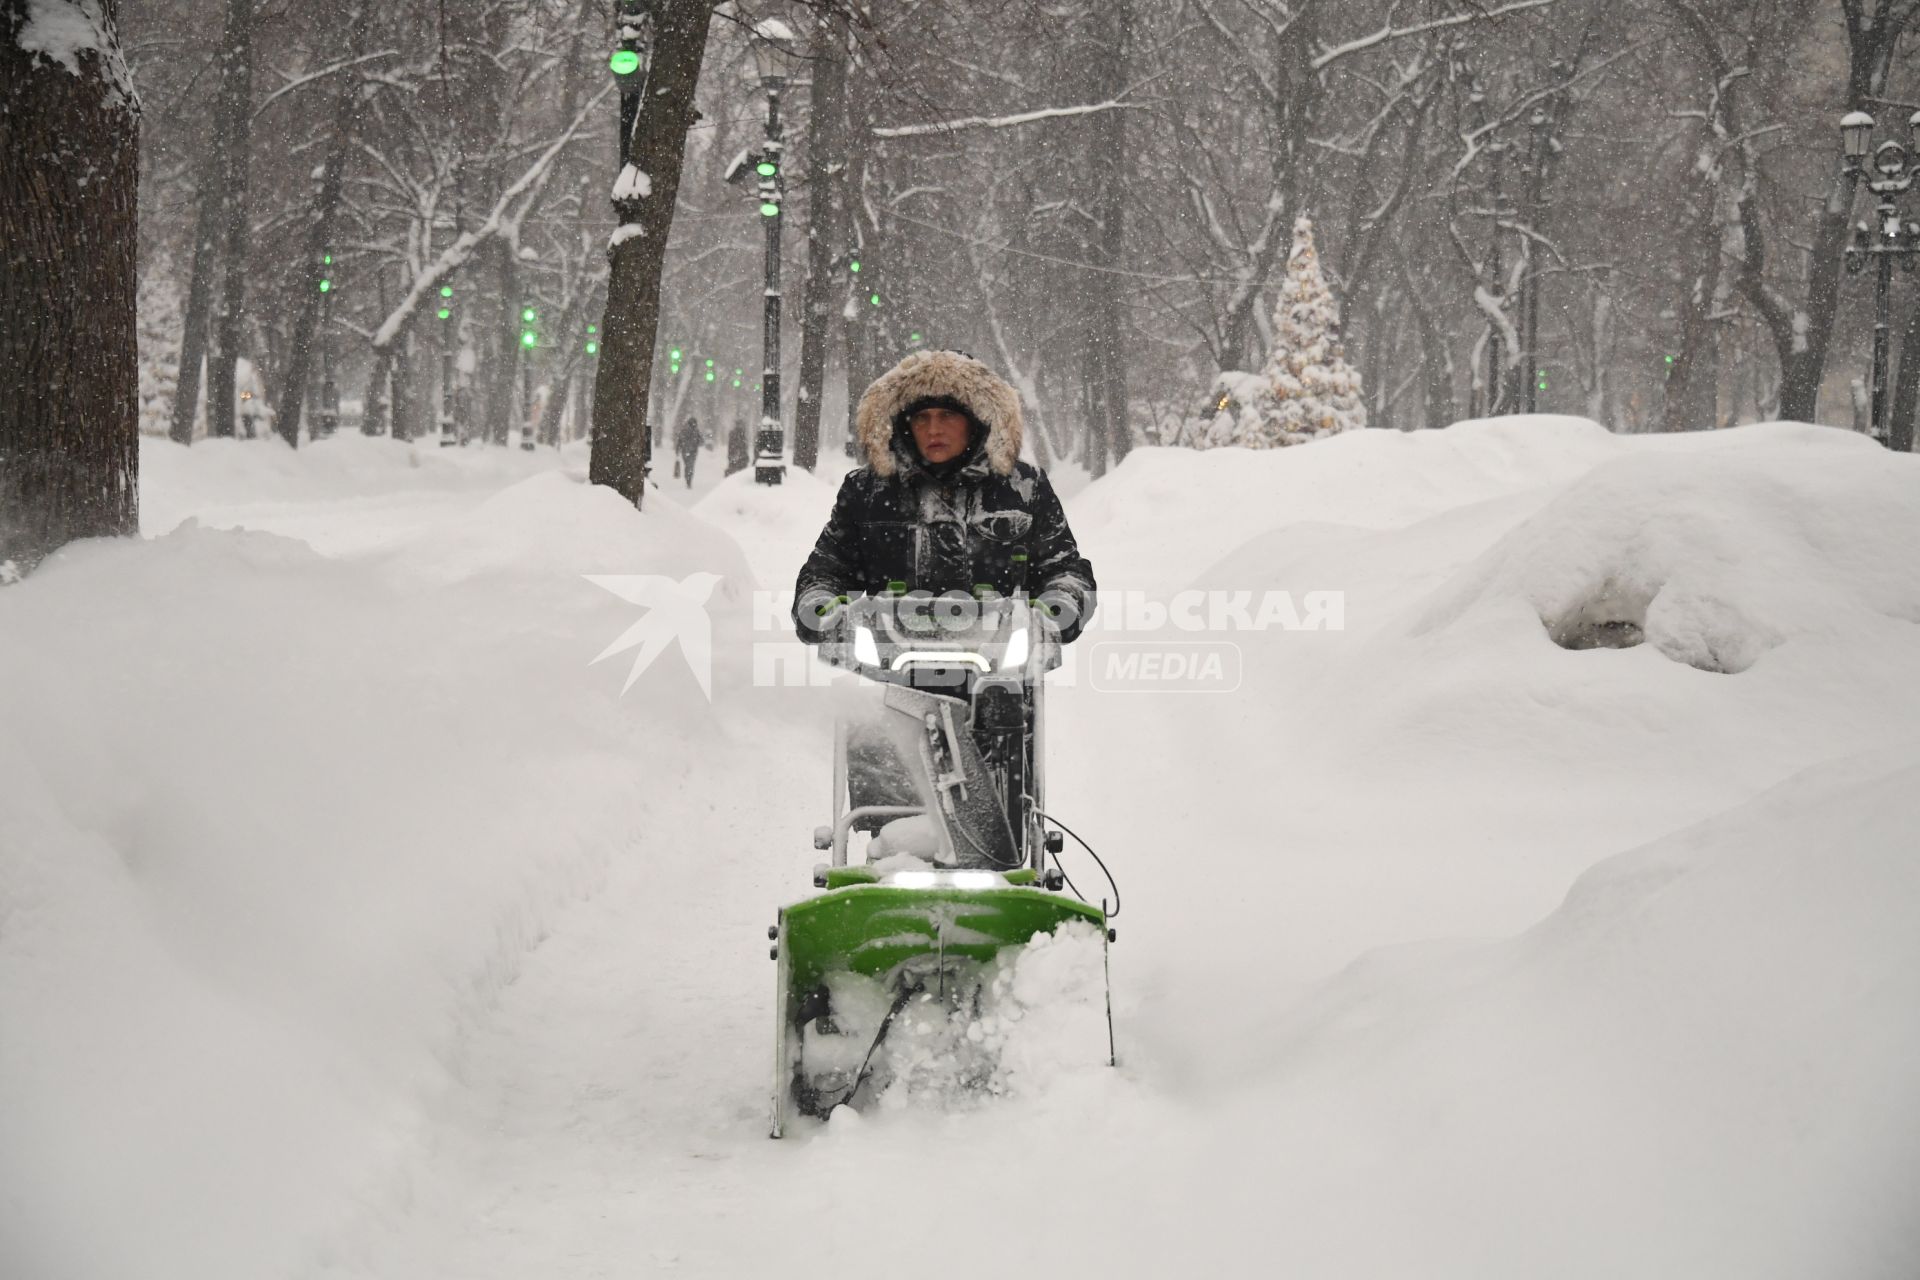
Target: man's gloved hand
(821, 616)
(1061, 611)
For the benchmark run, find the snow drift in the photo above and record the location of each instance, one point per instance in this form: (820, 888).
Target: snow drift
(353, 924)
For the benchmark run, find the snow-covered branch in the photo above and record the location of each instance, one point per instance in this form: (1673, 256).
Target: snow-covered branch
(1326, 57)
(502, 219)
(997, 122)
(298, 82)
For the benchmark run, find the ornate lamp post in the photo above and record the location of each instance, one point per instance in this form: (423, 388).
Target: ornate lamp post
(1889, 176)
(772, 50)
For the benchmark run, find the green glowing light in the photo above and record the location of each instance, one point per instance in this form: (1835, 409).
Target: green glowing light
(875, 299)
(674, 354)
(529, 339)
(766, 168)
(854, 266)
(624, 62)
(529, 315)
(444, 313)
(446, 291)
(709, 376)
(593, 348)
(326, 286)
(768, 209)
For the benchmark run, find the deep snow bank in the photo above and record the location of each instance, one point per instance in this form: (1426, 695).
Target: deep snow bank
(277, 827)
(1700, 1064)
(1714, 556)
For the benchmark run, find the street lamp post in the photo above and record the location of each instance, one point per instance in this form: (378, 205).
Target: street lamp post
(1890, 176)
(329, 389)
(773, 42)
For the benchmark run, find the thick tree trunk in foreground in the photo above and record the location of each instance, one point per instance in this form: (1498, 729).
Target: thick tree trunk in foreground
(69, 161)
(620, 393)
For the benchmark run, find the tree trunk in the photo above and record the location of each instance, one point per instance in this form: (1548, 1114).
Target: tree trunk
(872, 343)
(193, 336)
(326, 211)
(373, 413)
(405, 399)
(1436, 360)
(1690, 398)
(69, 165)
(620, 451)
(826, 231)
(1112, 174)
(233, 133)
(1094, 403)
(1907, 390)
(505, 368)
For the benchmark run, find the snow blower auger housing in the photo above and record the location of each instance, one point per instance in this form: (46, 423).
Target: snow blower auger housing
(942, 775)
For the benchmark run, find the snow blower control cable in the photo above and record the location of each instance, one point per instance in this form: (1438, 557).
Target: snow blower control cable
(1111, 882)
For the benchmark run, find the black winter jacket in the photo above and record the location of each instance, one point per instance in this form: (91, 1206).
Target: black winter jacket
(976, 527)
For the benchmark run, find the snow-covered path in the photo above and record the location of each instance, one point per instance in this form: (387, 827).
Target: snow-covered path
(454, 964)
(613, 1101)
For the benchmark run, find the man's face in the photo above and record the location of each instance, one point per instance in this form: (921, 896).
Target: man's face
(940, 434)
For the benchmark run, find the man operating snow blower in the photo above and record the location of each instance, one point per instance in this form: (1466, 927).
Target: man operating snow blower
(948, 578)
(944, 503)
(944, 516)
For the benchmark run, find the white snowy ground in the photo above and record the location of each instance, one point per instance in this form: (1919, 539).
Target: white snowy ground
(353, 925)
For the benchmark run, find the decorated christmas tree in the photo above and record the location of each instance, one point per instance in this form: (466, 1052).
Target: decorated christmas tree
(1311, 389)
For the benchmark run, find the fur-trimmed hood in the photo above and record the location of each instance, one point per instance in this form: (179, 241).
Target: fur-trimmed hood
(926, 375)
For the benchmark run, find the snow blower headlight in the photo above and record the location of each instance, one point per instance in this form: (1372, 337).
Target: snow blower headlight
(945, 880)
(865, 649)
(1016, 654)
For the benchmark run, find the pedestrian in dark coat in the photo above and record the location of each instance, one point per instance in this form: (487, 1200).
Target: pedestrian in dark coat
(686, 443)
(944, 502)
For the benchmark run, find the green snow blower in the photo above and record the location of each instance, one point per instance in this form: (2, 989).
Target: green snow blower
(941, 780)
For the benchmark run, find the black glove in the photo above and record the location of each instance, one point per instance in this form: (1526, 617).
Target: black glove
(1061, 611)
(820, 616)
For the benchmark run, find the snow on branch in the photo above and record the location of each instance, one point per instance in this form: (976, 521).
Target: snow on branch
(1327, 57)
(298, 82)
(61, 31)
(998, 122)
(499, 220)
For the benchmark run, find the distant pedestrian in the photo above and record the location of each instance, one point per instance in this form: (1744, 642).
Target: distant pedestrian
(686, 444)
